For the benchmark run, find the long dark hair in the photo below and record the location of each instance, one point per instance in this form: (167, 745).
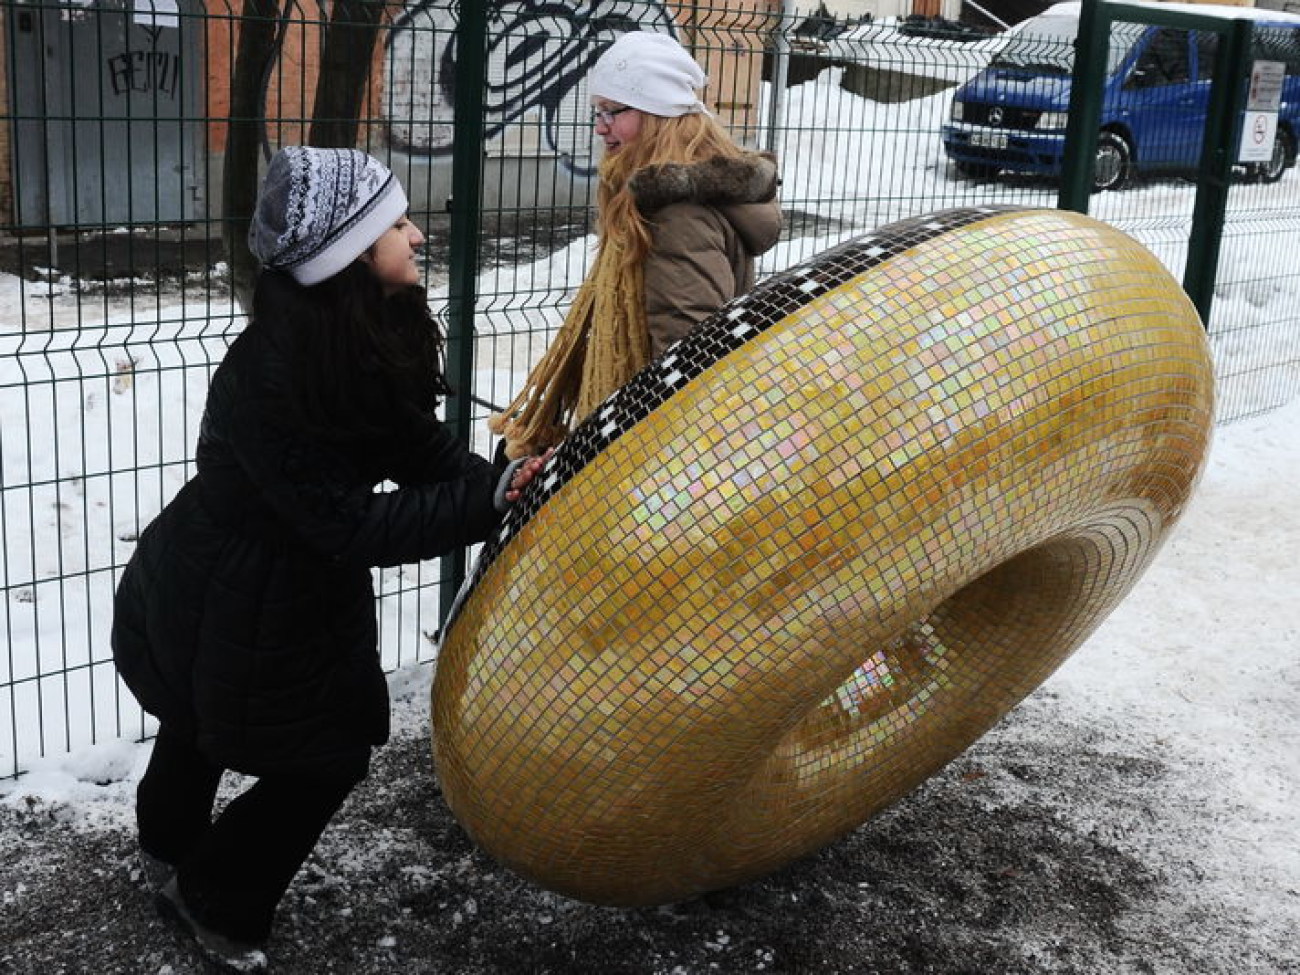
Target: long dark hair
(360, 361)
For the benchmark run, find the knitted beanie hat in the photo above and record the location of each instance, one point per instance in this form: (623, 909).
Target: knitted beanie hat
(320, 209)
(650, 72)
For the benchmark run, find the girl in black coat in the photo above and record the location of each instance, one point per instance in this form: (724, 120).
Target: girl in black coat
(245, 621)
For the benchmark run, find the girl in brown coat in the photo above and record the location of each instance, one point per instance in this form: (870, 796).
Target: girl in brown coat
(682, 213)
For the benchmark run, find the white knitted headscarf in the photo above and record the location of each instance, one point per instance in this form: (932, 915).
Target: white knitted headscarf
(650, 72)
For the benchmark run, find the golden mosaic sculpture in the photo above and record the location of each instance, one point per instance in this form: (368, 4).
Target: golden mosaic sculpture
(807, 558)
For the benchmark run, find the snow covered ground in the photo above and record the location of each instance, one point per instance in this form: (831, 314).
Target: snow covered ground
(1136, 814)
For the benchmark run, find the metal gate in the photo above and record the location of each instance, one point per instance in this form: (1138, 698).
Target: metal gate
(103, 100)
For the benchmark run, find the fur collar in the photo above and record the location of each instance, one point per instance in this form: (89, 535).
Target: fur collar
(749, 178)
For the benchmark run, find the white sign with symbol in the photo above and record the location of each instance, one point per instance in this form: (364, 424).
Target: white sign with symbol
(1259, 127)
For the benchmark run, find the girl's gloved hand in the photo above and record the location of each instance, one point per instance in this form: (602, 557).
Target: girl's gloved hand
(518, 476)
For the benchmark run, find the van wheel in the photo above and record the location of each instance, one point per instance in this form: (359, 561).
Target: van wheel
(1114, 163)
(1283, 156)
(975, 170)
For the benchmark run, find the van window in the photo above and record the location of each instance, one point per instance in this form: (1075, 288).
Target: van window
(1277, 44)
(1267, 44)
(1207, 53)
(1045, 44)
(1164, 62)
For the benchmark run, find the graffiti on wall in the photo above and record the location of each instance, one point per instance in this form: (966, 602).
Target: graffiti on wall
(538, 56)
(154, 71)
(139, 55)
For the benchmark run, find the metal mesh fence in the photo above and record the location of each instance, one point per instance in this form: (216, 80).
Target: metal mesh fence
(117, 286)
(1255, 323)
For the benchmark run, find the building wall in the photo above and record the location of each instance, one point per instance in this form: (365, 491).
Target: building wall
(537, 118)
(293, 85)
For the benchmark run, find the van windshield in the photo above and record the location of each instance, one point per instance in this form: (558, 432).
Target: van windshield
(1045, 45)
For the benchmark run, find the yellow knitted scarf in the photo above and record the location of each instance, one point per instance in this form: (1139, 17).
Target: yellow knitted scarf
(601, 345)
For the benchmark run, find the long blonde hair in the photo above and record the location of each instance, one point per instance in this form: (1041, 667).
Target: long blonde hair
(603, 341)
(681, 139)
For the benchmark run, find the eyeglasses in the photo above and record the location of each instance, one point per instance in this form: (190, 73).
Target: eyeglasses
(606, 115)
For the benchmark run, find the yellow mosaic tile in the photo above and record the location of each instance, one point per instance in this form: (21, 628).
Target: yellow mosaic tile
(809, 556)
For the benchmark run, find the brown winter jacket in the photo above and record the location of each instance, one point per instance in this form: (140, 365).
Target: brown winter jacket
(708, 221)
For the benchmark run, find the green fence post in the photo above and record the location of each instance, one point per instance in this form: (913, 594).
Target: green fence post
(1084, 119)
(466, 195)
(1218, 155)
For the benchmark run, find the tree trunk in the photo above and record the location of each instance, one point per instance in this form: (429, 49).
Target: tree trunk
(346, 60)
(240, 174)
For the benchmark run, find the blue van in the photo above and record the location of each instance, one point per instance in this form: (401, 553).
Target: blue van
(1011, 116)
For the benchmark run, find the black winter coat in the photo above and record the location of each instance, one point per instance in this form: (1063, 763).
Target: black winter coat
(246, 616)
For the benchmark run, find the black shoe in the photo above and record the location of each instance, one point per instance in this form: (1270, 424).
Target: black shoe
(155, 872)
(230, 954)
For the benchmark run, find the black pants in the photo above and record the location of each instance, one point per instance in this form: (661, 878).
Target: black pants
(233, 871)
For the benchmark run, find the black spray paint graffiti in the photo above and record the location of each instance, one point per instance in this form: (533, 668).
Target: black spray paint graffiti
(539, 53)
(144, 71)
(139, 71)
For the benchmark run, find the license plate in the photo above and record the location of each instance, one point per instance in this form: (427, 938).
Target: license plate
(988, 140)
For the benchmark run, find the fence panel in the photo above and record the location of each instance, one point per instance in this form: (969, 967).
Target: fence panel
(1166, 60)
(114, 322)
(1254, 324)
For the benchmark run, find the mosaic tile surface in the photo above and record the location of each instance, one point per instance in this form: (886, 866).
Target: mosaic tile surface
(810, 555)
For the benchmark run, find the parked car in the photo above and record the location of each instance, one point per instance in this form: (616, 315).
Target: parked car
(1012, 115)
